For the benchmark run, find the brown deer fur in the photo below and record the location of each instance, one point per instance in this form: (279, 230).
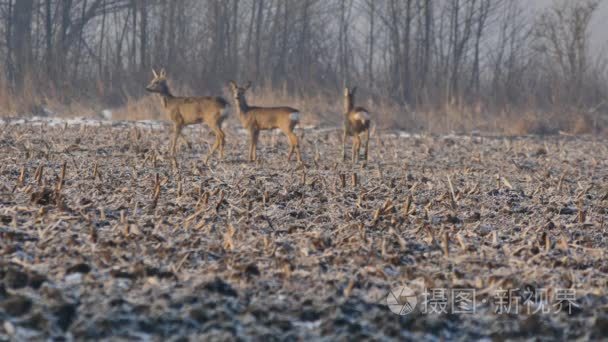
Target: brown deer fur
(356, 121)
(256, 119)
(185, 111)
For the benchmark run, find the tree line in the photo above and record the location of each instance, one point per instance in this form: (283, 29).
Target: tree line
(415, 53)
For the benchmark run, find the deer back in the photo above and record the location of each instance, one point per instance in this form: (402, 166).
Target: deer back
(191, 110)
(284, 118)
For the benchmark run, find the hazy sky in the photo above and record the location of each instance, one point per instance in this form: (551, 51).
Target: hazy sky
(599, 26)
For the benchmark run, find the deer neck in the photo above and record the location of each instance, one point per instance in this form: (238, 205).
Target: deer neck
(348, 105)
(243, 109)
(165, 95)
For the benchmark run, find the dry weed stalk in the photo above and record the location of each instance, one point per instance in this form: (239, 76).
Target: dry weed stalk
(155, 193)
(349, 287)
(96, 173)
(229, 238)
(581, 211)
(506, 183)
(342, 180)
(560, 182)
(39, 174)
(21, 179)
(265, 198)
(61, 178)
(220, 201)
(445, 243)
(407, 205)
(461, 242)
(452, 194)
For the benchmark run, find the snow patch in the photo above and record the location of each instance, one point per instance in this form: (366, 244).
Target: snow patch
(81, 121)
(404, 134)
(73, 278)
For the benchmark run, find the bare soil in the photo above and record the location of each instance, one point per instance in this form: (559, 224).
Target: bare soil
(105, 236)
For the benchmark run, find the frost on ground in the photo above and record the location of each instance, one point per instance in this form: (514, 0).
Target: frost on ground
(103, 235)
(49, 121)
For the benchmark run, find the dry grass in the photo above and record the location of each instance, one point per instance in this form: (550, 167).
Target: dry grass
(145, 108)
(583, 124)
(50, 101)
(102, 235)
(522, 126)
(322, 110)
(315, 109)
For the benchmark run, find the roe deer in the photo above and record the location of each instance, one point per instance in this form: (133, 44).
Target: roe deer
(256, 119)
(356, 121)
(185, 111)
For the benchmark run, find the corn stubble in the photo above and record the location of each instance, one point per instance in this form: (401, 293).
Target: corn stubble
(116, 223)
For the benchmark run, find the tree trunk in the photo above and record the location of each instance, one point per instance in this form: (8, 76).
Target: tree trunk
(143, 41)
(22, 39)
(258, 35)
(370, 56)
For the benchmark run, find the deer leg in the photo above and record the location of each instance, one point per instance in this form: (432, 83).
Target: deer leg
(253, 145)
(251, 134)
(293, 146)
(222, 142)
(298, 153)
(215, 144)
(288, 134)
(365, 147)
(356, 147)
(297, 147)
(220, 135)
(173, 140)
(177, 131)
(183, 137)
(344, 145)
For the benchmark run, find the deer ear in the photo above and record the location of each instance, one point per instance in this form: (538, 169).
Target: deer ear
(232, 85)
(163, 73)
(154, 73)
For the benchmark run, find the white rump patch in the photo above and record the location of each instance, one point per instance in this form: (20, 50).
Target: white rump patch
(106, 114)
(224, 113)
(362, 116)
(295, 116)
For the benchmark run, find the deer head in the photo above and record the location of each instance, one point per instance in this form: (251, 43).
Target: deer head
(158, 83)
(239, 92)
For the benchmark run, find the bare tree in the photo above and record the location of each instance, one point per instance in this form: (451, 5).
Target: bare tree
(563, 37)
(425, 53)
